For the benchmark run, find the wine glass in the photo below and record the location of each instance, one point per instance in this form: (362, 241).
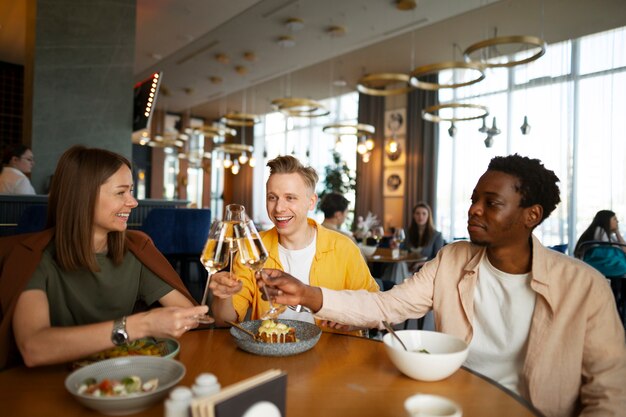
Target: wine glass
(235, 214)
(399, 236)
(214, 257)
(253, 254)
(377, 234)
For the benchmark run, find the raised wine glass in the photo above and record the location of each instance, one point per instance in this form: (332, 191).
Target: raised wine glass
(235, 214)
(214, 257)
(377, 234)
(253, 254)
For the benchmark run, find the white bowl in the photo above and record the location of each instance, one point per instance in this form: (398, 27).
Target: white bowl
(367, 250)
(426, 405)
(446, 354)
(168, 371)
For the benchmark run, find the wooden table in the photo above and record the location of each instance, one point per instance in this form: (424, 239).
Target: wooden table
(384, 255)
(341, 376)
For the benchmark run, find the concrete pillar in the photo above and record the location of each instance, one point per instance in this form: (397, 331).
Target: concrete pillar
(79, 72)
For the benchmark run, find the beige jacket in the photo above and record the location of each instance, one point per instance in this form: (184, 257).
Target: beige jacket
(576, 358)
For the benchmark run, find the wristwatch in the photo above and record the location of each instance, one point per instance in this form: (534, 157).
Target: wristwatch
(119, 335)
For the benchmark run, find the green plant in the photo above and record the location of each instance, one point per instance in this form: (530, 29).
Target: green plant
(339, 178)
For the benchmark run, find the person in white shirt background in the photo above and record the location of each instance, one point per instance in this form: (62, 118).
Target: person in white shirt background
(17, 162)
(604, 227)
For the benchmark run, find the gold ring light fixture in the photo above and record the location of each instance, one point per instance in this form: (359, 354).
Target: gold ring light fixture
(362, 131)
(473, 112)
(240, 119)
(473, 71)
(377, 84)
(217, 131)
(505, 51)
(299, 107)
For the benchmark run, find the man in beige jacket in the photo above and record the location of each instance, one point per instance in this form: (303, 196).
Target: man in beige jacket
(539, 322)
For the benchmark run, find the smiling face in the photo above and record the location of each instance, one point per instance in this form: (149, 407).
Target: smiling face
(288, 202)
(495, 218)
(114, 203)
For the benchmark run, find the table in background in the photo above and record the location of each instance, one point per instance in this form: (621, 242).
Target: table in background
(341, 376)
(396, 269)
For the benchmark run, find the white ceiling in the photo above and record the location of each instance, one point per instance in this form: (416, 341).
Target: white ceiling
(181, 38)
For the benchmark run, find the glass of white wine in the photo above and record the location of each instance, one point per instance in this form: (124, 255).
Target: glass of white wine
(253, 254)
(235, 214)
(214, 257)
(399, 236)
(378, 232)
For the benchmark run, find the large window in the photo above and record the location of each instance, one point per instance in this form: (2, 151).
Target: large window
(303, 138)
(575, 103)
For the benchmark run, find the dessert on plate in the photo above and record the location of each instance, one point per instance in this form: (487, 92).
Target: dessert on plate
(271, 331)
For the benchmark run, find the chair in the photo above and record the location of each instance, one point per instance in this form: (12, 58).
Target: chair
(610, 259)
(559, 248)
(32, 219)
(180, 235)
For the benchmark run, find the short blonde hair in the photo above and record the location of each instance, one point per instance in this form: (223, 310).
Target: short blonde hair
(287, 164)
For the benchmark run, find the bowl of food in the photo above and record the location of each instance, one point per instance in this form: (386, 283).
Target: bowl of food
(124, 385)
(276, 337)
(367, 250)
(147, 346)
(430, 356)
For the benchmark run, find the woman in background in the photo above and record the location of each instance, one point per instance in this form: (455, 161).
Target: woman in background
(422, 237)
(17, 162)
(604, 227)
(74, 289)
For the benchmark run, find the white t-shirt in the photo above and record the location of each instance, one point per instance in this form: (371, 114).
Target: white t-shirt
(503, 309)
(298, 264)
(13, 181)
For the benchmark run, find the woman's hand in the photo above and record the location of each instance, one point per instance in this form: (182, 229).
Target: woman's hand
(223, 285)
(164, 322)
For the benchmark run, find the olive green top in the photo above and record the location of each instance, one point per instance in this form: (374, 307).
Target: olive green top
(83, 297)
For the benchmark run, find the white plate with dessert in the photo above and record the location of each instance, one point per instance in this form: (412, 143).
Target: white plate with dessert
(277, 337)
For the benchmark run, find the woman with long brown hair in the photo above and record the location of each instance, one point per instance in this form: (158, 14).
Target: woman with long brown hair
(423, 238)
(71, 290)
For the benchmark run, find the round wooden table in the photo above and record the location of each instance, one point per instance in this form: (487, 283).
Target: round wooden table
(341, 376)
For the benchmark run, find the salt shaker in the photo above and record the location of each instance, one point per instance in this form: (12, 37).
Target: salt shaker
(206, 384)
(178, 404)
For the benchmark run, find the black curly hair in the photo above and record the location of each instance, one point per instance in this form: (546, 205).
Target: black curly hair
(537, 184)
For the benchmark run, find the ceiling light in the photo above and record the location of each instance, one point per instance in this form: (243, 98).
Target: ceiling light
(341, 129)
(252, 161)
(286, 42)
(227, 163)
(460, 112)
(406, 4)
(243, 158)
(376, 84)
(294, 24)
(506, 51)
(299, 107)
(215, 79)
(222, 58)
(459, 74)
(249, 56)
(241, 70)
(336, 31)
(240, 119)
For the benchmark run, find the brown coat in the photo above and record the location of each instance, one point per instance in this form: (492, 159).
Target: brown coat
(19, 257)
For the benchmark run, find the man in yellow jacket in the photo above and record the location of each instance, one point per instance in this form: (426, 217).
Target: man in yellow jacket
(298, 245)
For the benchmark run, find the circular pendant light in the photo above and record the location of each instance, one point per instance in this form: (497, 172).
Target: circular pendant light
(217, 131)
(377, 84)
(469, 72)
(299, 107)
(240, 119)
(504, 51)
(469, 112)
(356, 129)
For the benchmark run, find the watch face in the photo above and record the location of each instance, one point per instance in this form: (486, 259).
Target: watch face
(119, 337)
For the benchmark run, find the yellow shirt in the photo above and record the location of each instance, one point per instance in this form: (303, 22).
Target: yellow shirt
(338, 265)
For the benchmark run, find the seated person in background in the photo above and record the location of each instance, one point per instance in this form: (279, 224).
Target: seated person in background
(315, 255)
(604, 227)
(335, 209)
(16, 163)
(71, 290)
(422, 237)
(540, 323)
